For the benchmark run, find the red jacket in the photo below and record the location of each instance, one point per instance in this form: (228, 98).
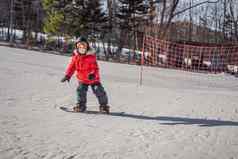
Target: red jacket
(84, 65)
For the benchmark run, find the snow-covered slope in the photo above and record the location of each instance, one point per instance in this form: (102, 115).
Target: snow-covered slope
(175, 114)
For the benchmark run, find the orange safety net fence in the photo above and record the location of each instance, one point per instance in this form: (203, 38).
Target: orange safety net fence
(198, 58)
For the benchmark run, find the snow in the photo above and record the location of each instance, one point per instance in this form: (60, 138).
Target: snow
(175, 114)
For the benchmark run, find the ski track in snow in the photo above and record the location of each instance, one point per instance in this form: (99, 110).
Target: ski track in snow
(175, 114)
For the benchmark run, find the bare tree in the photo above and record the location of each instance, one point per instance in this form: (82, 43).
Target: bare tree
(234, 18)
(168, 10)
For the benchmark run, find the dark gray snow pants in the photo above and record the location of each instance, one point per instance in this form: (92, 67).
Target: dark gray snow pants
(97, 89)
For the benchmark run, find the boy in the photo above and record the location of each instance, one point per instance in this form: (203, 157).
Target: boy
(84, 62)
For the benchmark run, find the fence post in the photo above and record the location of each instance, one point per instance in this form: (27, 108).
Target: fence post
(142, 59)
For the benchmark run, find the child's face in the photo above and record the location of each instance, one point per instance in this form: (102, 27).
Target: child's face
(82, 47)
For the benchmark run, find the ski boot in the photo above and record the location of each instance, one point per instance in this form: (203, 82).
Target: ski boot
(79, 108)
(104, 109)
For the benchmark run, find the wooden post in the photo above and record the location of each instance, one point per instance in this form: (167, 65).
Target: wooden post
(142, 59)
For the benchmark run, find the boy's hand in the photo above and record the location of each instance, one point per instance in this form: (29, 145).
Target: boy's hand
(65, 78)
(91, 76)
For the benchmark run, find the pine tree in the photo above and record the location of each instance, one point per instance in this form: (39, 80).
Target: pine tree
(5, 17)
(28, 16)
(131, 14)
(74, 17)
(95, 16)
(55, 17)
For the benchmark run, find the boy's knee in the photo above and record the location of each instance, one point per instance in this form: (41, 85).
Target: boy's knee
(101, 94)
(82, 93)
(99, 91)
(82, 88)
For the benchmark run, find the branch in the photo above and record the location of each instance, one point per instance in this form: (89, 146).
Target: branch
(196, 5)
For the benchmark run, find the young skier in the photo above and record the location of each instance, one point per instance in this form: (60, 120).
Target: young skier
(84, 62)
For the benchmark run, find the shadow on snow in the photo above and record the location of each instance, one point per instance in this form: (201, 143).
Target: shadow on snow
(168, 120)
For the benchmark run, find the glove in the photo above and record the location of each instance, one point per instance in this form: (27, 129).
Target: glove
(91, 76)
(65, 78)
